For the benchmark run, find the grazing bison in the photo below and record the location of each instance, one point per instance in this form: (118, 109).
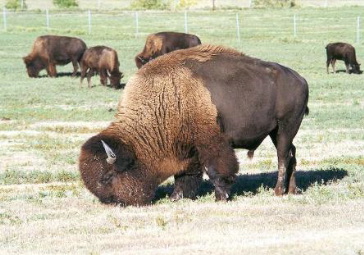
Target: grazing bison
(183, 114)
(104, 61)
(342, 51)
(164, 42)
(51, 50)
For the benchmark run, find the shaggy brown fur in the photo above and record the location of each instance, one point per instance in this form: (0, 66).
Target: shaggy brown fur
(51, 50)
(164, 42)
(104, 61)
(172, 120)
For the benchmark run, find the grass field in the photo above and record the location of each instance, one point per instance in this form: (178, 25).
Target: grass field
(45, 209)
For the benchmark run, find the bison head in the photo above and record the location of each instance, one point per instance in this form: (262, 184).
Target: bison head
(115, 78)
(111, 171)
(141, 60)
(355, 68)
(33, 65)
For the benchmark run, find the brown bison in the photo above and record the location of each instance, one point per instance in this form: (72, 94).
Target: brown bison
(164, 42)
(342, 51)
(104, 61)
(183, 114)
(51, 50)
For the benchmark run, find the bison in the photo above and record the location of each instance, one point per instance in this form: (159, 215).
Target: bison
(164, 42)
(183, 114)
(51, 50)
(104, 61)
(342, 51)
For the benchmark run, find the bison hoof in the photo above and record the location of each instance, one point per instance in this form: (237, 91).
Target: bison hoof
(221, 194)
(294, 191)
(278, 191)
(176, 196)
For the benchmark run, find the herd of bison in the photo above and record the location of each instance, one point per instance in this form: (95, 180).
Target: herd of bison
(183, 114)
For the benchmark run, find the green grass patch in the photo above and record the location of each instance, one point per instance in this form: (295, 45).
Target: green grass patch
(33, 177)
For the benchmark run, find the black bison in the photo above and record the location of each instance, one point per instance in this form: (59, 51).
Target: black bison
(342, 51)
(183, 114)
(51, 50)
(164, 42)
(104, 61)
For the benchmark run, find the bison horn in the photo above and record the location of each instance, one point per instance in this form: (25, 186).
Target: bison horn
(111, 157)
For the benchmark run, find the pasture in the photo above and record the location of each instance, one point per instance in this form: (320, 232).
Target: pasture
(45, 209)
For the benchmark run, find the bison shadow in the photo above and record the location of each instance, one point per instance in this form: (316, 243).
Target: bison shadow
(121, 86)
(61, 74)
(344, 71)
(252, 183)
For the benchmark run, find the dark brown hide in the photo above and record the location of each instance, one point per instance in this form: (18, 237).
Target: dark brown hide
(164, 42)
(184, 113)
(342, 51)
(51, 50)
(104, 61)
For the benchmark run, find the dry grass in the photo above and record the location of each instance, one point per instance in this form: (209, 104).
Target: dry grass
(39, 223)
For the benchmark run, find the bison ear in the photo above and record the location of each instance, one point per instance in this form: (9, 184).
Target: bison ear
(27, 60)
(126, 163)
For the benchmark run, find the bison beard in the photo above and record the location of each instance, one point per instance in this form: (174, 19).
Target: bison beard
(183, 114)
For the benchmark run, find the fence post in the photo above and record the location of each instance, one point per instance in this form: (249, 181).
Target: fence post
(358, 29)
(89, 22)
(238, 28)
(47, 19)
(4, 19)
(136, 24)
(186, 25)
(294, 26)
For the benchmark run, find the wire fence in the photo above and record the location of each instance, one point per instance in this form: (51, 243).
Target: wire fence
(237, 25)
(200, 4)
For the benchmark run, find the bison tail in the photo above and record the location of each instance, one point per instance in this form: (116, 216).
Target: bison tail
(250, 154)
(307, 110)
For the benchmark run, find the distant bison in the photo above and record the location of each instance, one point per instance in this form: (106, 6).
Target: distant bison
(104, 61)
(183, 114)
(342, 51)
(164, 42)
(51, 50)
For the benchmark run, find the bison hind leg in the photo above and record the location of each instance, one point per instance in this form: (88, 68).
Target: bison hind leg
(75, 67)
(186, 184)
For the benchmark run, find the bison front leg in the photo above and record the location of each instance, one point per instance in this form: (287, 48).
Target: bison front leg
(51, 70)
(221, 165)
(103, 77)
(347, 65)
(187, 183)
